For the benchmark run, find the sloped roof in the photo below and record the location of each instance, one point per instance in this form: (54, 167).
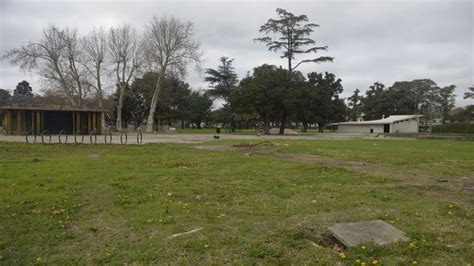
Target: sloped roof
(389, 120)
(50, 107)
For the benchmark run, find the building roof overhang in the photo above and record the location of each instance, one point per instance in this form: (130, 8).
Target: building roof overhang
(51, 107)
(389, 120)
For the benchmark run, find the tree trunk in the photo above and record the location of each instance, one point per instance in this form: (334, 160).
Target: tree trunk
(63, 83)
(118, 125)
(283, 123)
(99, 89)
(154, 101)
(103, 127)
(266, 126)
(305, 126)
(182, 124)
(320, 127)
(232, 123)
(232, 120)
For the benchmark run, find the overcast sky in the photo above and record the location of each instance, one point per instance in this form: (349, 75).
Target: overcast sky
(383, 41)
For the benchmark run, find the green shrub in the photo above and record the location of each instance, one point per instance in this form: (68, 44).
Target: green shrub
(453, 128)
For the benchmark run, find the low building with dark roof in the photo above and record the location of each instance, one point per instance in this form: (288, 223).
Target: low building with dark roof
(35, 118)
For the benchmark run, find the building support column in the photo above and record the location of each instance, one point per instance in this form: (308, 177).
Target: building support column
(8, 122)
(38, 122)
(18, 122)
(73, 122)
(99, 122)
(89, 122)
(42, 120)
(33, 129)
(94, 120)
(78, 122)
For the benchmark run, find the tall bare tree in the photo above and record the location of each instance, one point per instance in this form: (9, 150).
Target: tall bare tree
(74, 70)
(170, 46)
(126, 52)
(94, 54)
(49, 58)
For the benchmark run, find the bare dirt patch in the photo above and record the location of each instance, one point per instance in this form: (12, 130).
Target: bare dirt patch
(417, 177)
(94, 155)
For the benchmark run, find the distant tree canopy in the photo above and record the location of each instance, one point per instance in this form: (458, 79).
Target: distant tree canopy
(4, 96)
(421, 96)
(327, 106)
(292, 37)
(264, 92)
(223, 82)
(355, 105)
(470, 93)
(23, 89)
(291, 34)
(177, 101)
(313, 100)
(462, 114)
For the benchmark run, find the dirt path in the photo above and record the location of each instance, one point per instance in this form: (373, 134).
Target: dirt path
(383, 170)
(185, 138)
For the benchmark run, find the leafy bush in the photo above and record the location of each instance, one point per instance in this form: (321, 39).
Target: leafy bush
(454, 128)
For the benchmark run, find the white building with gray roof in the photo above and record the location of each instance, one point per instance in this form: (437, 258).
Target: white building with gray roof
(391, 124)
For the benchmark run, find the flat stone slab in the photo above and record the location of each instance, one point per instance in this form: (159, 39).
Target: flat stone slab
(377, 231)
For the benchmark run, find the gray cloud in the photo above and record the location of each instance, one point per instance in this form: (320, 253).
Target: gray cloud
(371, 41)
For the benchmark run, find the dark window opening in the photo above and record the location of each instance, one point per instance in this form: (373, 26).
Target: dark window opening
(386, 128)
(57, 121)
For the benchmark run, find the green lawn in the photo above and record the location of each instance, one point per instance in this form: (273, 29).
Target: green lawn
(120, 204)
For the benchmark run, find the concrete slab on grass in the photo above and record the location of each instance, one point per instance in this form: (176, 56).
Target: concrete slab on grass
(377, 231)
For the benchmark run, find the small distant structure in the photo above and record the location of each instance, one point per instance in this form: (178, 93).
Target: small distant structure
(35, 118)
(391, 124)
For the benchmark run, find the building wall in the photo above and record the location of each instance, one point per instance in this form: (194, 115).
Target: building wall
(18, 122)
(360, 128)
(410, 126)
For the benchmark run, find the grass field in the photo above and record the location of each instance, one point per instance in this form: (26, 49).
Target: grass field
(267, 204)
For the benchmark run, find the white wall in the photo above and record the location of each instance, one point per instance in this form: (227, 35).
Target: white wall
(410, 126)
(359, 128)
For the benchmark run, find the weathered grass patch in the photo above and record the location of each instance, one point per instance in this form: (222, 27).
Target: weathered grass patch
(60, 205)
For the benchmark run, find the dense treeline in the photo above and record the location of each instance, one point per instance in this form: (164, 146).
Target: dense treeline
(457, 128)
(421, 96)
